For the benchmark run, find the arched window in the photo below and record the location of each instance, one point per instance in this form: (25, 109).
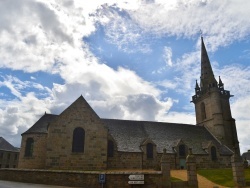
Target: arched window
(203, 111)
(29, 147)
(150, 154)
(213, 153)
(182, 150)
(110, 148)
(78, 140)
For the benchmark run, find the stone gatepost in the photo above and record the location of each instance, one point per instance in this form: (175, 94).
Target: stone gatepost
(165, 169)
(238, 170)
(191, 170)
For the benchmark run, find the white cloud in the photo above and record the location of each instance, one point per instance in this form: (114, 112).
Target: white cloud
(222, 22)
(122, 31)
(108, 90)
(179, 117)
(236, 79)
(18, 115)
(167, 55)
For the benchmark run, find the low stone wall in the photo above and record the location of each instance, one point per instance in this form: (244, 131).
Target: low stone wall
(90, 179)
(180, 184)
(204, 161)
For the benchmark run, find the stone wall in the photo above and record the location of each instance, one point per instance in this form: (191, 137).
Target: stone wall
(124, 160)
(88, 179)
(136, 160)
(37, 160)
(218, 119)
(60, 139)
(204, 161)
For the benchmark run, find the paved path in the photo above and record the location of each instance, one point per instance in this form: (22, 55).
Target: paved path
(202, 182)
(12, 184)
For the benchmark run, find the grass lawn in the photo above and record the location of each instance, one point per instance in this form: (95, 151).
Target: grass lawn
(222, 176)
(247, 174)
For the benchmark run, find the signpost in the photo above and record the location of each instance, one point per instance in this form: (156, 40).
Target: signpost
(135, 182)
(136, 179)
(102, 178)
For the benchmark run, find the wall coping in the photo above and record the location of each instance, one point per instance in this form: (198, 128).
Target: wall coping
(85, 172)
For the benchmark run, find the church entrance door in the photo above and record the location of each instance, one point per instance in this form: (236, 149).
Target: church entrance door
(182, 163)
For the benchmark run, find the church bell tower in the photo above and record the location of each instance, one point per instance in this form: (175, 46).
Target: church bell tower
(212, 105)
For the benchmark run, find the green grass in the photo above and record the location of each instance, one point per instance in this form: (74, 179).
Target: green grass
(247, 174)
(219, 176)
(222, 177)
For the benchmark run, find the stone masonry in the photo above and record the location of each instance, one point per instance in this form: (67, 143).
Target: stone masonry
(238, 171)
(38, 159)
(60, 155)
(191, 170)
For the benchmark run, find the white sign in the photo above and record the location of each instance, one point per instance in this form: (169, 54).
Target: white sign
(135, 182)
(136, 177)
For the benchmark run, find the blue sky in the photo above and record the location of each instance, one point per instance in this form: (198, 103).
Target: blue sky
(129, 59)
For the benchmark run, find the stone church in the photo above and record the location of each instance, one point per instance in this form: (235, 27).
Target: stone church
(78, 139)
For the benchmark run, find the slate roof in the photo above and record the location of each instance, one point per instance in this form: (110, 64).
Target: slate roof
(129, 135)
(6, 146)
(41, 126)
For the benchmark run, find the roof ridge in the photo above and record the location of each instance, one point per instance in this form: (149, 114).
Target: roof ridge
(128, 120)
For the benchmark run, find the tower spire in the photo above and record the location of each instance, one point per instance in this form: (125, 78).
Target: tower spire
(207, 75)
(212, 104)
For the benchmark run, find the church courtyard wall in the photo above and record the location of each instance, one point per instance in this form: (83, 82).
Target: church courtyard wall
(125, 160)
(90, 179)
(204, 161)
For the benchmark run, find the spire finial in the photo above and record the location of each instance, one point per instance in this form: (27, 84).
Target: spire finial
(197, 88)
(196, 85)
(201, 33)
(221, 85)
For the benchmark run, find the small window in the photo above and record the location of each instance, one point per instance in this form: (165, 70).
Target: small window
(78, 140)
(203, 111)
(29, 147)
(110, 148)
(7, 166)
(182, 150)
(16, 155)
(150, 154)
(213, 153)
(8, 156)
